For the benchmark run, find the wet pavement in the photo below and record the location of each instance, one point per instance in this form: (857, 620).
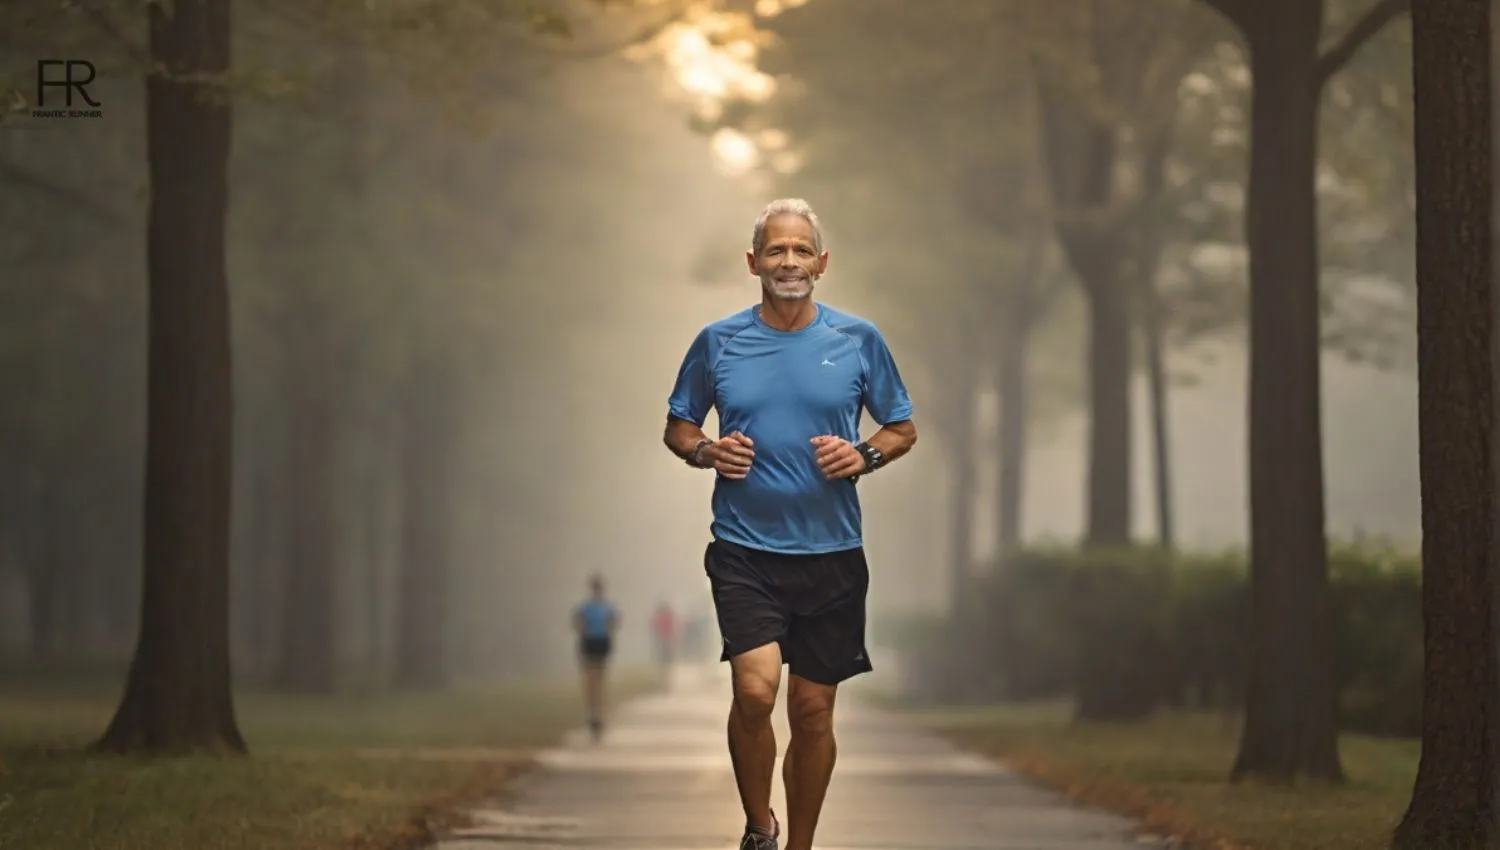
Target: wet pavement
(661, 780)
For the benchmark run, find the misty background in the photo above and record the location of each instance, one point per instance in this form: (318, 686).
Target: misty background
(514, 295)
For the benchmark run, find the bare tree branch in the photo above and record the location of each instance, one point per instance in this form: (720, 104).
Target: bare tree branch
(1364, 29)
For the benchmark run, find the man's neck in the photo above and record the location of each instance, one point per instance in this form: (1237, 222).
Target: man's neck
(787, 314)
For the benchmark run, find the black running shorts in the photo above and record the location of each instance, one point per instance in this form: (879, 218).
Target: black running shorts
(812, 605)
(595, 648)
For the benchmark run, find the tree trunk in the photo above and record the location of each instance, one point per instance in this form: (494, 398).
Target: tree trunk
(308, 613)
(43, 579)
(1109, 481)
(1161, 442)
(313, 377)
(178, 695)
(1153, 327)
(969, 625)
(120, 582)
(1453, 803)
(421, 619)
(1291, 700)
(247, 561)
(41, 598)
(1014, 408)
(74, 613)
(267, 553)
(1082, 159)
(1023, 310)
(964, 481)
(375, 572)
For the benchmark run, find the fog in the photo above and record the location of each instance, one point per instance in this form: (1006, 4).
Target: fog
(564, 256)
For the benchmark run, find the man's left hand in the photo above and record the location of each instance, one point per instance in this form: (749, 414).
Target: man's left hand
(837, 457)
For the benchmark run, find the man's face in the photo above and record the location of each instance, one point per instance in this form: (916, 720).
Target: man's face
(789, 263)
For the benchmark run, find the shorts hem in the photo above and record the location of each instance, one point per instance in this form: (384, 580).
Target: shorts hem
(732, 652)
(830, 679)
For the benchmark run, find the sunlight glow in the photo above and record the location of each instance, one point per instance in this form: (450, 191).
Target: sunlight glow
(735, 152)
(786, 162)
(710, 60)
(772, 8)
(772, 139)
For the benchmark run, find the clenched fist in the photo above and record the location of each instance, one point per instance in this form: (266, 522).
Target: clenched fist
(837, 457)
(732, 455)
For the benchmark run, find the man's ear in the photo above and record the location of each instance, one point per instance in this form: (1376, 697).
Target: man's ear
(823, 263)
(751, 263)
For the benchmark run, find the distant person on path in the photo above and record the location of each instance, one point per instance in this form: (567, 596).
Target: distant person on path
(664, 634)
(789, 378)
(596, 620)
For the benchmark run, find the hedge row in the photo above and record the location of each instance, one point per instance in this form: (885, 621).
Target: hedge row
(1126, 632)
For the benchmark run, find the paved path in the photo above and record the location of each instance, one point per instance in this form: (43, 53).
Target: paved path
(661, 781)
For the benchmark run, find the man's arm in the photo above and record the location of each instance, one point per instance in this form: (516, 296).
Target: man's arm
(691, 399)
(682, 437)
(894, 439)
(730, 456)
(887, 400)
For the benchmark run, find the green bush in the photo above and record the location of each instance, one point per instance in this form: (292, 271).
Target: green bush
(1210, 623)
(1377, 598)
(1124, 632)
(1118, 610)
(1028, 645)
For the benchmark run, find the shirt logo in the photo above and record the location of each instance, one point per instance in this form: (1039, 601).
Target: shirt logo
(827, 362)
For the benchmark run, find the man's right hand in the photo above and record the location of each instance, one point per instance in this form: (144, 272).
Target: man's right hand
(732, 455)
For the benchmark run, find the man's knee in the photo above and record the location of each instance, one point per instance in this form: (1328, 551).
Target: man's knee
(810, 708)
(757, 676)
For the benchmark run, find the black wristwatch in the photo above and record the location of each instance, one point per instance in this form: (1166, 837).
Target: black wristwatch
(695, 459)
(874, 459)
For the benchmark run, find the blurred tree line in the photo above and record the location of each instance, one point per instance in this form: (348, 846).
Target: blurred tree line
(1164, 168)
(333, 476)
(1122, 147)
(1161, 172)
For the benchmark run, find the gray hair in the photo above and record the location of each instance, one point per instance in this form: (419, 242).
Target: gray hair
(786, 206)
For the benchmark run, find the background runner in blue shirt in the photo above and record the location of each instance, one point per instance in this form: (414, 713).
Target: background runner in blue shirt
(595, 620)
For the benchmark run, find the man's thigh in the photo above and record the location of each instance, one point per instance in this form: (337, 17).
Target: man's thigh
(825, 641)
(749, 609)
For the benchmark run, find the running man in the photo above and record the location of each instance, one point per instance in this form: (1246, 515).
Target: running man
(789, 378)
(596, 620)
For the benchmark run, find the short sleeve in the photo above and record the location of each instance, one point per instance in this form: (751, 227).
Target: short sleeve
(693, 394)
(885, 392)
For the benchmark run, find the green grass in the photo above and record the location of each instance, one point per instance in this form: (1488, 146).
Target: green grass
(1171, 772)
(368, 770)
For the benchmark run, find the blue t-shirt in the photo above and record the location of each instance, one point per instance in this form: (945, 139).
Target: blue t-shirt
(598, 617)
(781, 389)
